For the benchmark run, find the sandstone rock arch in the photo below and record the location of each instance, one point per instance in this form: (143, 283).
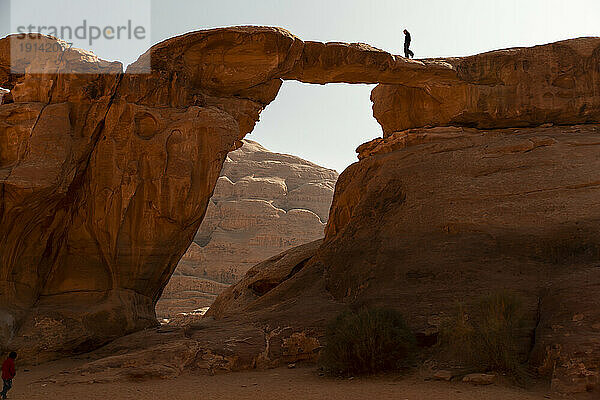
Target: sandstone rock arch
(105, 176)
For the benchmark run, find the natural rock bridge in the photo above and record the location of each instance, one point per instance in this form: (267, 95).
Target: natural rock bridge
(105, 176)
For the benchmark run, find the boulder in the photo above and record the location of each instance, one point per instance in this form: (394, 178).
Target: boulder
(480, 379)
(443, 375)
(3, 93)
(262, 278)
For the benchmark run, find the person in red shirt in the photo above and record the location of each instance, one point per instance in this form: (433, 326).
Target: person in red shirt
(8, 373)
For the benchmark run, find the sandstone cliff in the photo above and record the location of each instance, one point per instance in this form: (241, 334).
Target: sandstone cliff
(432, 217)
(554, 83)
(264, 203)
(106, 179)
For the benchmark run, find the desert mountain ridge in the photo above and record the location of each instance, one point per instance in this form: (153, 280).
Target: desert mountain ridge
(264, 203)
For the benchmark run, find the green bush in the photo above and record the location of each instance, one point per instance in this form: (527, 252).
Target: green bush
(367, 342)
(487, 338)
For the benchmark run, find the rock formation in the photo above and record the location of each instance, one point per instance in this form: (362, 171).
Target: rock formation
(106, 178)
(264, 203)
(3, 92)
(437, 216)
(554, 83)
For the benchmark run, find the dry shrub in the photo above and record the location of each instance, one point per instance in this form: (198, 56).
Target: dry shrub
(367, 342)
(487, 338)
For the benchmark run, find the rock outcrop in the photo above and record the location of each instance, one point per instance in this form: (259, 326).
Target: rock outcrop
(433, 217)
(554, 83)
(264, 203)
(3, 92)
(262, 278)
(106, 178)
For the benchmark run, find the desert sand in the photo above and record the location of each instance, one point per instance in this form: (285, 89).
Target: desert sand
(302, 382)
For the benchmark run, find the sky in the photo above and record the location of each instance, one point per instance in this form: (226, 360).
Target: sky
(325, 124)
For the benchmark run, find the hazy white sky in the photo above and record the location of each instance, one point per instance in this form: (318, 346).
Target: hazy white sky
(325, 124)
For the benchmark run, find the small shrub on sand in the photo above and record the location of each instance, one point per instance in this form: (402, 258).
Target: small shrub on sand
(487, 337)
(367, 342)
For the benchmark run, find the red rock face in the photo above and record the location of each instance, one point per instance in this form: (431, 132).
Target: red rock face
(106, 177)
(554, 83)
(100, 195)
(434, 217)
(455, 213)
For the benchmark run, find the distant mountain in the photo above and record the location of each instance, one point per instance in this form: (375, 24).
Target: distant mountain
(264, 203)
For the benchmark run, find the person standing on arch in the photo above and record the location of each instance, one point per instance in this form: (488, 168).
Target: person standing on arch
(407, 52)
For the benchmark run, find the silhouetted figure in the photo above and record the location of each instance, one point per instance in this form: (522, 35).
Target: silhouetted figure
(407, 52)
(8, 373)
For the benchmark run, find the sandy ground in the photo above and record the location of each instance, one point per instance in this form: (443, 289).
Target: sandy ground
(277, 384)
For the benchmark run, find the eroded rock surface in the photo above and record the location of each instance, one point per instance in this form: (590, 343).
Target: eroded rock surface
(554, 83)
(106, 178)
(262, 278)
(264, 203)
(3, 92)
(433, 217)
